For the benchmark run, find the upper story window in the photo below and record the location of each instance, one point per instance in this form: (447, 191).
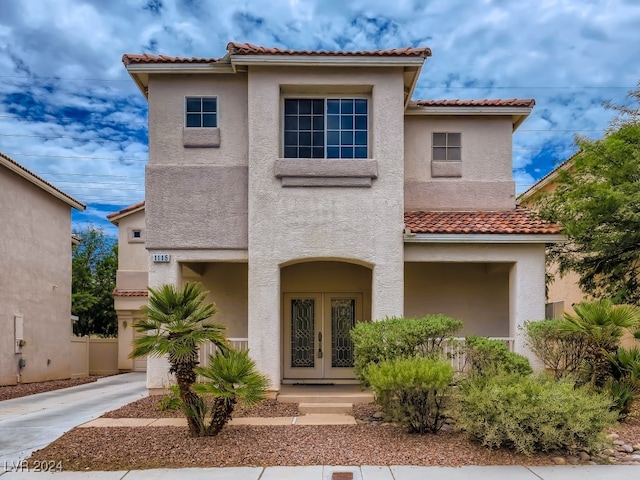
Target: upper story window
(447, 147)
(201, 112)
(326, 128)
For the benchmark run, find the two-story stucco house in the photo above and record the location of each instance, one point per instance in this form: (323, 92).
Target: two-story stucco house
(308, 192)
(35, 276)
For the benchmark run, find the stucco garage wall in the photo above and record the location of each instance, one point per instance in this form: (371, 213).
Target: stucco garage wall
(35, 281)
(476, 293)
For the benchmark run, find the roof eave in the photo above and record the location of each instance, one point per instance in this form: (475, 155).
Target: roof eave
(551, 177)
(518, 114)
(140, 72)
(72, 202)
(484, 238)
(116, 217)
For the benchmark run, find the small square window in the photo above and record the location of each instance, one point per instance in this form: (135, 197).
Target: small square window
(135, 235)
(201, 112)
(447, 147)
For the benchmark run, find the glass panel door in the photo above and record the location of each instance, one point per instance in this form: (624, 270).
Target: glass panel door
(317, 335)
(302, 336)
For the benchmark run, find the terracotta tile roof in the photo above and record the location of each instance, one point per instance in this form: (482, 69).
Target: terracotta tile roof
(518, 221)
(510, 102)
(126, 210)
(130, 293)
(236, 48)
(68, 198)
(132, 58)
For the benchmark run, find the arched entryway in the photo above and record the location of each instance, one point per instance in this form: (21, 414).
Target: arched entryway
(321, 302)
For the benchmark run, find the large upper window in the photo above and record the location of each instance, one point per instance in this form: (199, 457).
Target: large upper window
(326, 128)
(201, 112)
(447, 147)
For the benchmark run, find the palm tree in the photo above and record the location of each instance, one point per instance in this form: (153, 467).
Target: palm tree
(231, 376)
(604, 324)
(176, 323)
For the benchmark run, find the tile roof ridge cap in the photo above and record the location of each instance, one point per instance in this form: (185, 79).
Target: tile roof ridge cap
(237, 48)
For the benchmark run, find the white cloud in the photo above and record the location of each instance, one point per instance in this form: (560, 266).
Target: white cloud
(567, 54)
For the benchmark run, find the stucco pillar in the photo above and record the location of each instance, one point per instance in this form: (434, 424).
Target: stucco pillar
(264, 318)
(526, 297)
(158, 377)
(387, 289)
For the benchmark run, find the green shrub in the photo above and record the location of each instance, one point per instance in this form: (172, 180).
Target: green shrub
(400, 337)
(625, 381)
(485, 356)
(603, 323)
(561, 351)
(532, 413)
(412, 391)
(622, 393)
(170, 400)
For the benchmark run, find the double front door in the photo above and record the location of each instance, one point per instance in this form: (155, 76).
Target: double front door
(317, 340)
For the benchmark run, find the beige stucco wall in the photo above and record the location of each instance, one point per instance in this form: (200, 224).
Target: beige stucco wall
(329, 277)
(476, 293)
(132, 274)
(486, 181)
(526, 276)
(35, 280)
(172, 272)
(200, 192)
(132, 254)
(227, 286)
(287, 224)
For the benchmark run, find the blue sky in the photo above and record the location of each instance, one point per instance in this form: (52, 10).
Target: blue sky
(70, 112)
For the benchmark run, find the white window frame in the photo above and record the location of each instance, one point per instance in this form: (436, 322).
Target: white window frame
(293, 96)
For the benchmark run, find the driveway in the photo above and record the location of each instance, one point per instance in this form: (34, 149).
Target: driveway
(30, 423)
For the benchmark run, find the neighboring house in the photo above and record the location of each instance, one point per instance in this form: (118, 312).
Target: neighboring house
(308, 192)
(130, 293)
(35, 278)
(562, 291)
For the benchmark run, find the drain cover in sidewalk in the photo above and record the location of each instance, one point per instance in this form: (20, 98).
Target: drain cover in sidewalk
(342, 476)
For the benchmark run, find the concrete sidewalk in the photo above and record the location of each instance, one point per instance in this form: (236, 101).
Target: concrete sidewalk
(596, 472)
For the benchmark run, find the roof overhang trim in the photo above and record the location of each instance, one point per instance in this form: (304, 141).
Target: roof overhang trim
(483, 238)
(518, 114)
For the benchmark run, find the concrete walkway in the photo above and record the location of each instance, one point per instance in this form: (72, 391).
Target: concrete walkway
(32, 422)
(310, 419)
(596, 472)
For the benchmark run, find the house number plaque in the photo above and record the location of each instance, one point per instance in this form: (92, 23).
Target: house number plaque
(161, 258)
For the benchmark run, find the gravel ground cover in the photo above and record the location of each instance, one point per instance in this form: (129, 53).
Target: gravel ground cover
(24, 389)
(370, 442)
(147, 407)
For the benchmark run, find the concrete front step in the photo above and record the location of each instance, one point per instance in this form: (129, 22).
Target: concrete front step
(315, 408)
(324, 394)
